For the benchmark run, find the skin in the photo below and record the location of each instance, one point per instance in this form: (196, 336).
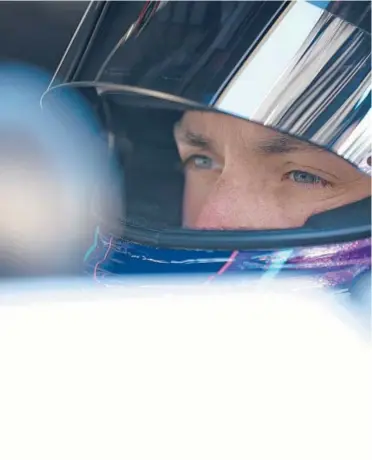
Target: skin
(243, 175)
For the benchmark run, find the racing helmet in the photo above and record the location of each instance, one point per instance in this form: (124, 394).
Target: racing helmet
(180, 88)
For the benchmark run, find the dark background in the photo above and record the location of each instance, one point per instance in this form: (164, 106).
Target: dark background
(36, 32)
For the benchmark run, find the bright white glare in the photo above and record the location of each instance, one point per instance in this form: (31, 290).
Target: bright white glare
(356, 144)
(250, 87)
(191, 373)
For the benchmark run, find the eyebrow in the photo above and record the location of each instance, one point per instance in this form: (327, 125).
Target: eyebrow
(280, 143)
(275, 144)
(192, 139)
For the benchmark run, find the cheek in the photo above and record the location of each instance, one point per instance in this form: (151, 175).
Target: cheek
(341, 197)
(314, 201)
(277, 207)
(296, 203)
(257, 201)
(236, 200)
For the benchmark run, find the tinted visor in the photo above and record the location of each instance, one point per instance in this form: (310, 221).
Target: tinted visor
(302, 67)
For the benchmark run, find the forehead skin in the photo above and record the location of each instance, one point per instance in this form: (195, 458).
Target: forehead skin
(215, 126)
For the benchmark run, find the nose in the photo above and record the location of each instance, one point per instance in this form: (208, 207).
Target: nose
(229, 205)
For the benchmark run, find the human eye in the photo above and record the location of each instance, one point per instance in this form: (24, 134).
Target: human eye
(198, 161)
(306, 178)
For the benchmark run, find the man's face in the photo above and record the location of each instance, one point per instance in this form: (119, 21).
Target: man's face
(242, 175)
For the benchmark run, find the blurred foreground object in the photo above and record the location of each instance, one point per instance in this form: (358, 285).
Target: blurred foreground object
(49, 164)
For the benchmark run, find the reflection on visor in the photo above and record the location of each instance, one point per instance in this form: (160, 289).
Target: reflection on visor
(318, 83)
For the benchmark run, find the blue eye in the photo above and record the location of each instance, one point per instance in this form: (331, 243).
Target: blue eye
(200, 162)
(303, 177)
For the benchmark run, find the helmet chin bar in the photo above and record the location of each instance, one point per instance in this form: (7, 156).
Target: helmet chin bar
(342, 225)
